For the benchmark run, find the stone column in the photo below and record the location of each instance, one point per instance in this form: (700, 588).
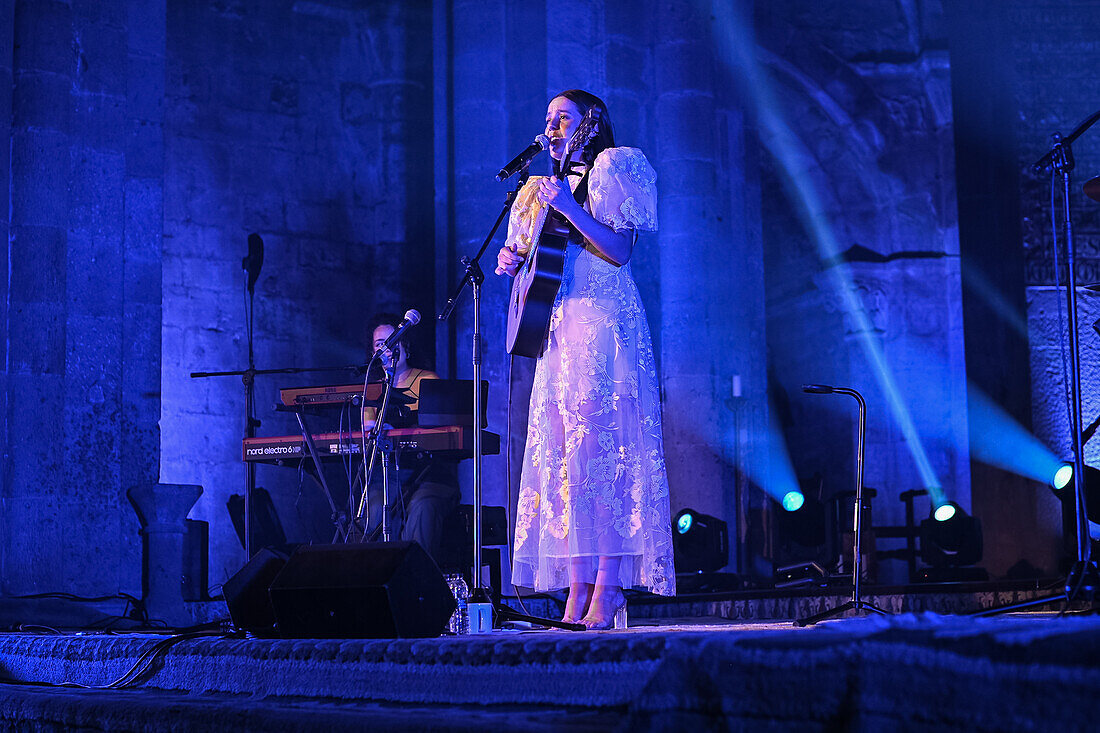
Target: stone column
(711, 310)
(163, 510)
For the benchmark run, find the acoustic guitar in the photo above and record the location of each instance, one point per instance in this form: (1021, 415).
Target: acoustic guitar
(537, 280)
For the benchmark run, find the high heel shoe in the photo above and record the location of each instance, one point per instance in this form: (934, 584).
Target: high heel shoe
(615, 620)
(581, 596)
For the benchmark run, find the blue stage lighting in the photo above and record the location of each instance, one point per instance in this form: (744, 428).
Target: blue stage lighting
(1062, 477)
(736, 47)
(793, 501)
(997, 439)
(701, 542)
(950, 540)
(944, 512)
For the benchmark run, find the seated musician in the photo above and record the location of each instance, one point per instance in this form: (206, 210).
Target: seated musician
(427, 490)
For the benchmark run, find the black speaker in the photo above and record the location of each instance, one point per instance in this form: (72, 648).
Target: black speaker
(373, 590)
(246, 592)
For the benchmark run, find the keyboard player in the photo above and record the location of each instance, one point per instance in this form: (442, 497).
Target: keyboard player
(428, 488)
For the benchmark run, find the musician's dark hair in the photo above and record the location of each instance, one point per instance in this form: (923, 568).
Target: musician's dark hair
(605, 136)
(386, 318)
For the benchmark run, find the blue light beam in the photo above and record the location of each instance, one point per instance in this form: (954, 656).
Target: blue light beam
(998, 440)
(794, 163)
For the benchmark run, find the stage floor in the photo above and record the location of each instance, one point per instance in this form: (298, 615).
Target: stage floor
(911, 671)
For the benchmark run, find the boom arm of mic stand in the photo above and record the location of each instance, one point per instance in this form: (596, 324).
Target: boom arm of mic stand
(1048, 159)
(473, 266)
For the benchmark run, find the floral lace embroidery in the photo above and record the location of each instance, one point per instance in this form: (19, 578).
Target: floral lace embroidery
(593, 481)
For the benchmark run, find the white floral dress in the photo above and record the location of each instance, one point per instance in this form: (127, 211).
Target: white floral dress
(593, 481)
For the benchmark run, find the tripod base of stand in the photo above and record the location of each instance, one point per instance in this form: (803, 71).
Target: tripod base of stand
(852, 605)
(1082, 581)
(502, 613)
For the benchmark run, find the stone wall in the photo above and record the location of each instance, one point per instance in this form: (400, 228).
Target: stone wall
(83, 317)
(310, 124)
(867, 93)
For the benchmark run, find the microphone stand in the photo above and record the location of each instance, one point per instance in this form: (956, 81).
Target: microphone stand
(855, 602)
(248, 377)
(1083, 577)
(474, 276)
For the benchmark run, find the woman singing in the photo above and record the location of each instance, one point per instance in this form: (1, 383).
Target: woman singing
(593, 508)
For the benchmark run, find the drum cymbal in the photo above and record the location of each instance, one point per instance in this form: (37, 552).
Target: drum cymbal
(1092, 188)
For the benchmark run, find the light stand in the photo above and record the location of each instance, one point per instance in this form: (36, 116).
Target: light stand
(474, 277)
(855, 603)
(1083, 577)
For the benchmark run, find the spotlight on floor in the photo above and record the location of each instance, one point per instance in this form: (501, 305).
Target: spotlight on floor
(954, 541)
(793, 500)
(700, 542)
(1062, 477)
(1066, 493)
(944, 512)
(803, 523)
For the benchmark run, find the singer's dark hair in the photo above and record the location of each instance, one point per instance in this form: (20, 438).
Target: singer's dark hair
(605, 136)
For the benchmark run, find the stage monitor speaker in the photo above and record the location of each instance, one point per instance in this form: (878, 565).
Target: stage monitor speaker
(246, 592)
(373, 590)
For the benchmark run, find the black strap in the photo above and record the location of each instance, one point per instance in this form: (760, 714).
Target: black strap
(580, 195)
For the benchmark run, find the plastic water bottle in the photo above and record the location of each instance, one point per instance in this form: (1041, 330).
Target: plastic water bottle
(460, 619)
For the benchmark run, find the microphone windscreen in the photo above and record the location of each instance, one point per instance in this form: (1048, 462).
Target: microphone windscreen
(412, 316)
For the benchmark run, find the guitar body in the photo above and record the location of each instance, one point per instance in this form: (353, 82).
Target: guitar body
(535, 288)
(537, 281)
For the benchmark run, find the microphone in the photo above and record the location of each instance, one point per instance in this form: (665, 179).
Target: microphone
(412, 317)
(818, 388)
(520, 161)
(254, 261)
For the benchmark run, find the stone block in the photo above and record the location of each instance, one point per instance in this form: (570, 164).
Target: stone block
(43, 33)
(96, 13)
(144, 220)
(94, 276)
(144, 90)
(33, 522)
(99, 122)
(147, 22)
(687, 66)
(141, 350)
(686, 126)
(96, 195)
(37, 338)
(92, 440)
(40, 165)
(36, 431)
(101, 53)
(144, 149)
(41, 100)
(37, 264)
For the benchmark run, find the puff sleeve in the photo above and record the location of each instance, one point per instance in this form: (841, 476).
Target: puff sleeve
(526, 218)
(623, 190)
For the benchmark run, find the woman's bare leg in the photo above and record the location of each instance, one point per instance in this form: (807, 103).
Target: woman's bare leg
(580, 593)
(607, 595)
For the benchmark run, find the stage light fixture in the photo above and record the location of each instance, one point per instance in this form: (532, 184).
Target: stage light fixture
(952, 542)
(700, 543)
(1062, 477)
(803, 522)
(944, 512)
(1091, 495)
(793, 500)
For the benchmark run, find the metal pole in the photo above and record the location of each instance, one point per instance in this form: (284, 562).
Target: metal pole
(1075, 368)
(477, 431)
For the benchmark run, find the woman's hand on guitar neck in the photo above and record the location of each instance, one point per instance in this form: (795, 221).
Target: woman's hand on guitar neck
(508, 261)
